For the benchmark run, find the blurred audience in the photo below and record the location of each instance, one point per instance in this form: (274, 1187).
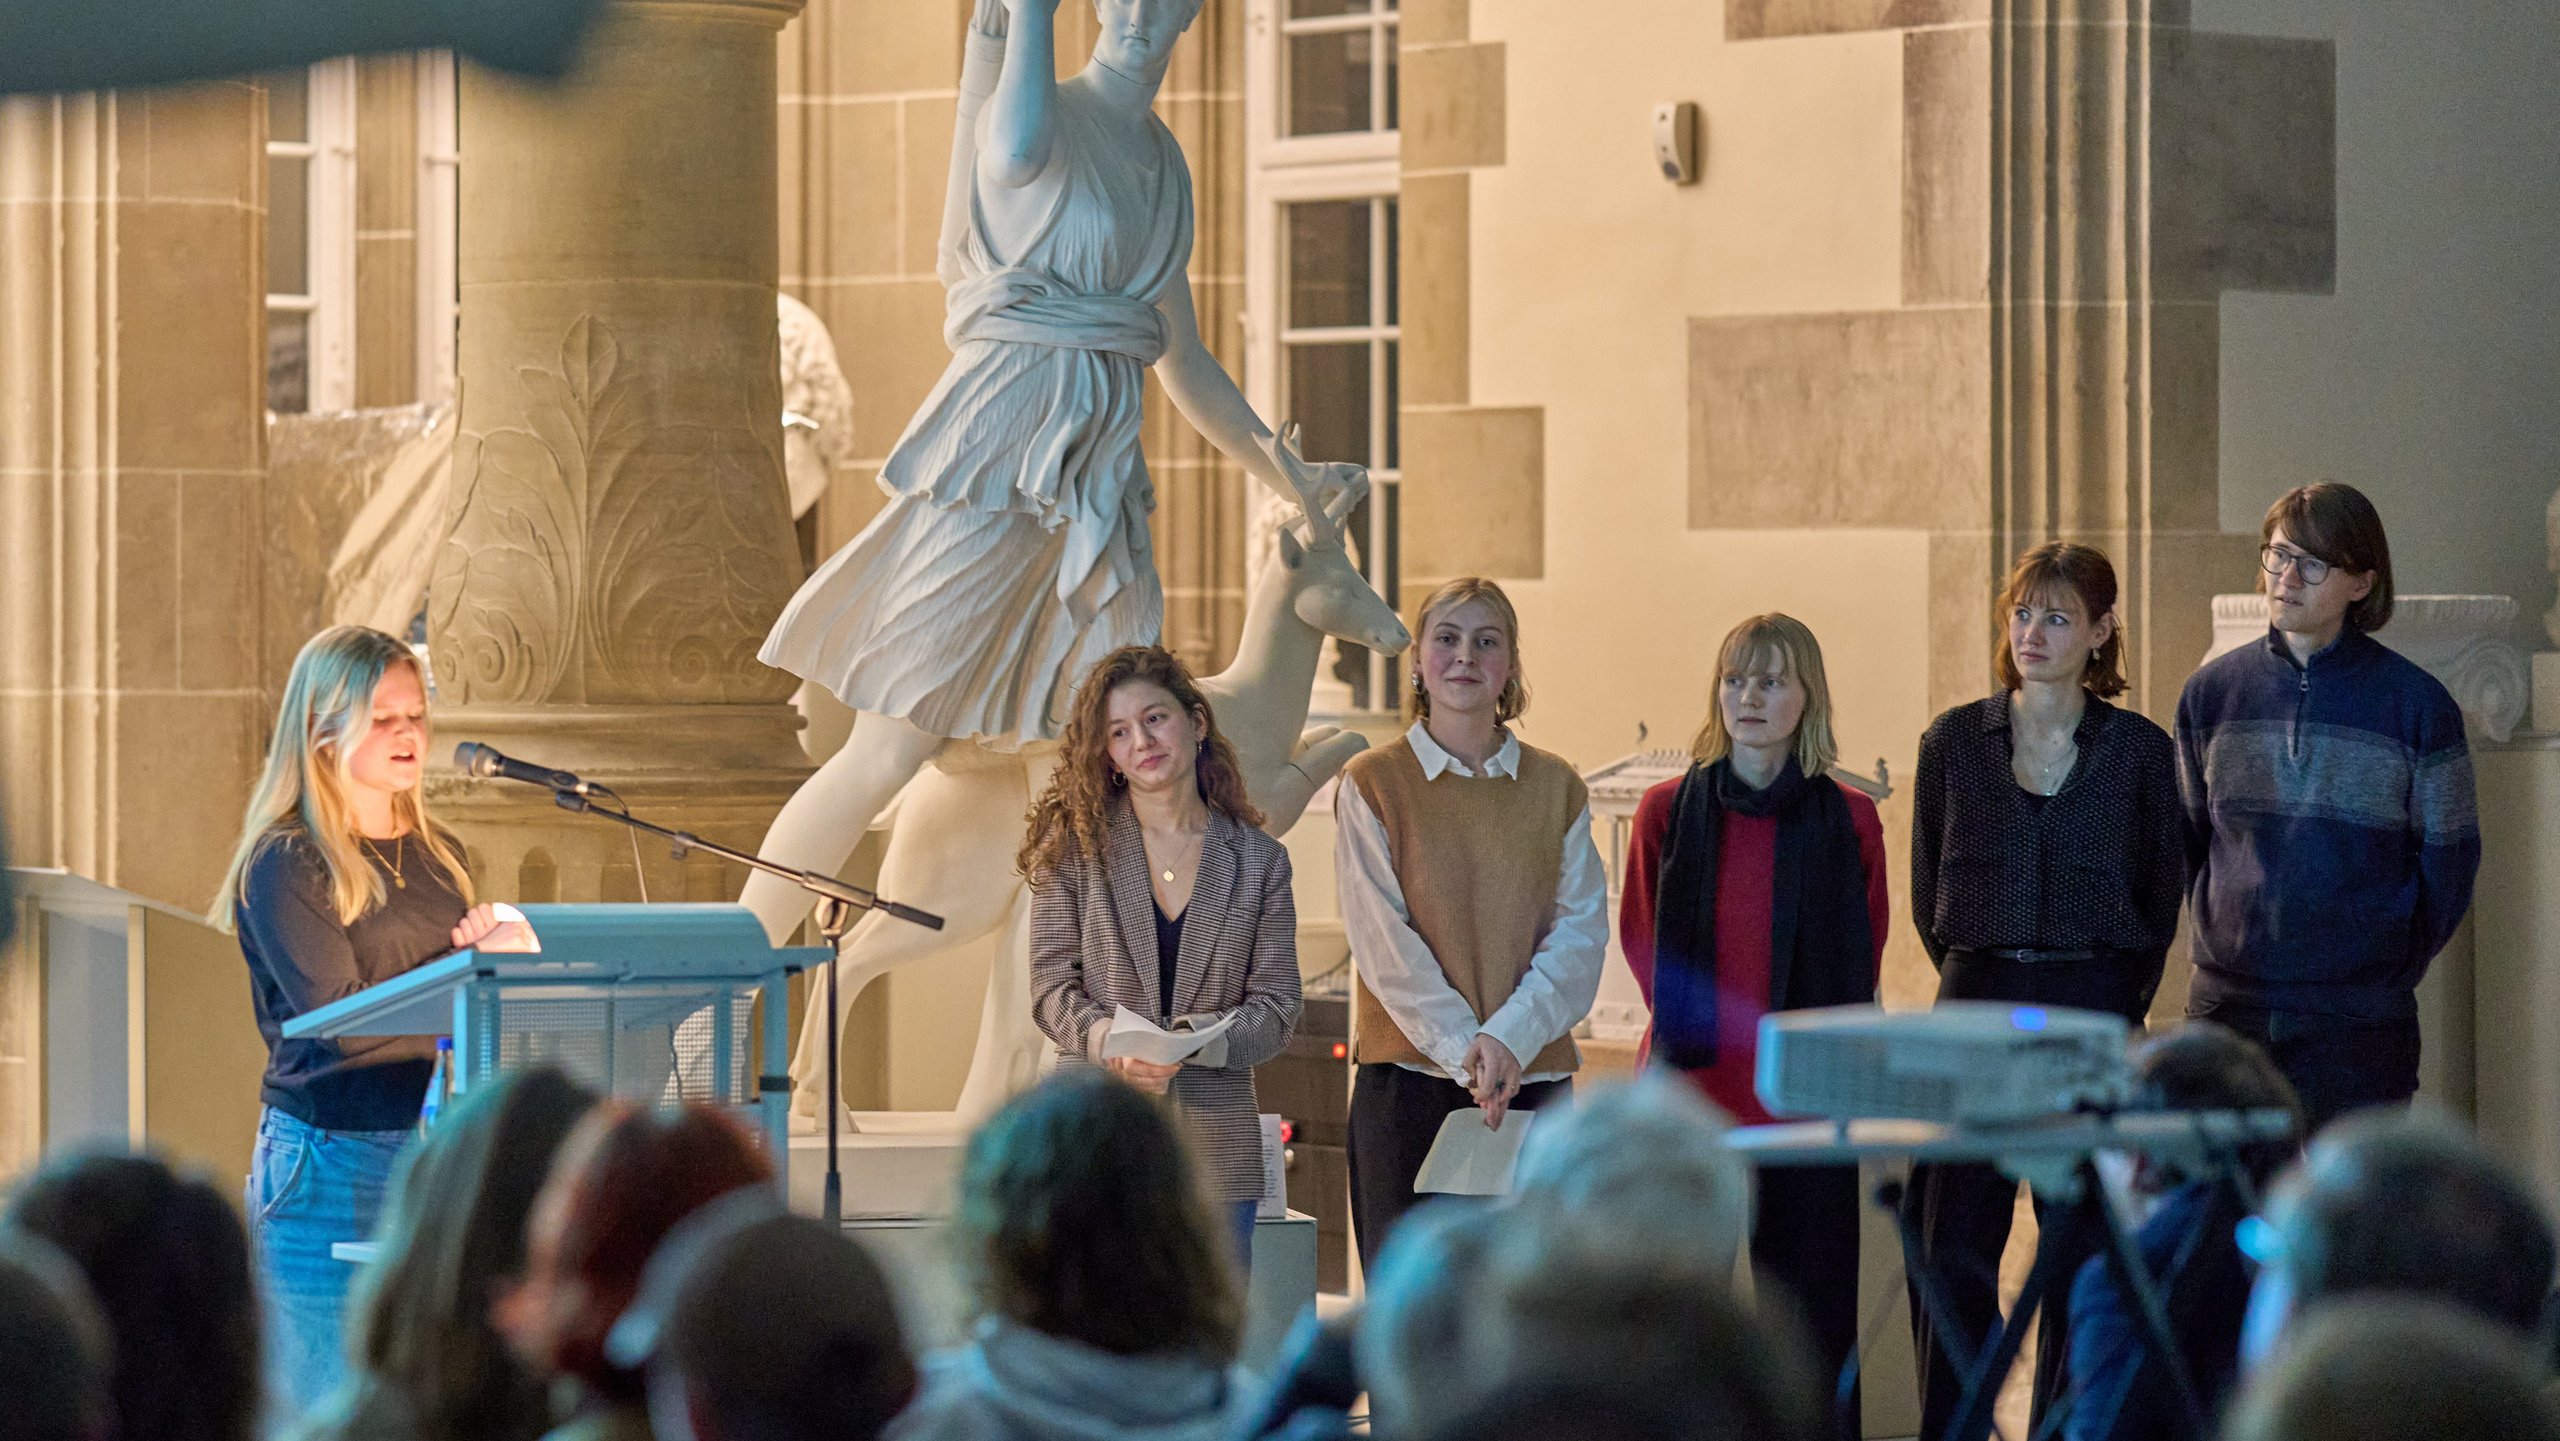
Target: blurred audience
(1647, 1160)
(2185, 1217)
(427, 1362)
(54, 1352)
(623, 1180)
(753, 1325)
(166, 1259)
(1472, 1303)
(1412, 1336)
(1107, 1306)
(2396, 1369)
(2399, 1203)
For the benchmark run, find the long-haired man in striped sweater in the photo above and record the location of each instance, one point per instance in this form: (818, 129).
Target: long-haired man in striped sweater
(2332, 830)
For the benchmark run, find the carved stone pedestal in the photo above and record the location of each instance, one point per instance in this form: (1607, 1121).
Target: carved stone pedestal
(2466, 641)
(622, 537)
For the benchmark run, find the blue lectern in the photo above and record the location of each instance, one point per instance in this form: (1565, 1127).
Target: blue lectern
(653, 1003)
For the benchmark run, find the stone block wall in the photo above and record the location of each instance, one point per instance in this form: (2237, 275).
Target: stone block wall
(132, 451)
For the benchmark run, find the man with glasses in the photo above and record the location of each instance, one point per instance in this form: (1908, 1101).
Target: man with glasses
(2331, 828)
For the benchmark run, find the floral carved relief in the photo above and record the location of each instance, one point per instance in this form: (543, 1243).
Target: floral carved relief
(602, 555)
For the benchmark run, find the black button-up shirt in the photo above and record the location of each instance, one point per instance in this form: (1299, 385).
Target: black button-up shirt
(2098, 865)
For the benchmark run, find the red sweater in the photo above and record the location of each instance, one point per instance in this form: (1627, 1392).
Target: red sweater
(1746, 877)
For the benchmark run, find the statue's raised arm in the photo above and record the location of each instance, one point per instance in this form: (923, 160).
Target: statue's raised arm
(1014, 550)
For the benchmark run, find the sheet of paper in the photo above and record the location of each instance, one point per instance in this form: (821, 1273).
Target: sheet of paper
(1135, 1036)
(1469, 1158)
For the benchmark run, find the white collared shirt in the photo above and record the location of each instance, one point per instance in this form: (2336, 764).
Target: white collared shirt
(1398, 967)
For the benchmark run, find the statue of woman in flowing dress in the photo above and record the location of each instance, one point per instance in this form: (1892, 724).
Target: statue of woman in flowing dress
(1014, 551)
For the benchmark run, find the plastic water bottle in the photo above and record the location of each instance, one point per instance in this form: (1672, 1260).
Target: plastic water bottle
(436, 1085)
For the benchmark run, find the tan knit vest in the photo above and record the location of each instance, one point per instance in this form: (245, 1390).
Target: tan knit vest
(1478, 859)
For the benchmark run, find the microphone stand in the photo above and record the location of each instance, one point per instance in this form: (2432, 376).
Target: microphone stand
(839, 906)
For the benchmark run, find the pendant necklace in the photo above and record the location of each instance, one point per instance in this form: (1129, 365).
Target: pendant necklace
(391, 862)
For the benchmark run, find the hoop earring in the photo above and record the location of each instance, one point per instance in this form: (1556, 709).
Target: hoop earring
(1117, 780)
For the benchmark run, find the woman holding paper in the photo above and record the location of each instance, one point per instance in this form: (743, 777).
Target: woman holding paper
(340, 881)
(1475, 904)
(1157, 902)
(1755, 883)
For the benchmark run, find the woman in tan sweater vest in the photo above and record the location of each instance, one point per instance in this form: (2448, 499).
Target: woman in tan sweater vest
(1475, 905)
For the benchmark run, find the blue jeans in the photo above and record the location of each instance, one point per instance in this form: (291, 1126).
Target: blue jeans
(309, 1189)
(1239, 1218)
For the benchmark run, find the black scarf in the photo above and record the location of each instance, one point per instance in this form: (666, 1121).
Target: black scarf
(1821, 947)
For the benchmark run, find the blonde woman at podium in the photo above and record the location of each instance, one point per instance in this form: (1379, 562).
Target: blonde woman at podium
(1155, 891)
(340, 881)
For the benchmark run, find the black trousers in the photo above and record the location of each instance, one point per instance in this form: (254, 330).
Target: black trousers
(2336, 1064)
(1395, 1116)
(1963, 1212)
(1804, 1243)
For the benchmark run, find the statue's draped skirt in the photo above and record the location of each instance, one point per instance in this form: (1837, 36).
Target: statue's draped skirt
(1013, 553)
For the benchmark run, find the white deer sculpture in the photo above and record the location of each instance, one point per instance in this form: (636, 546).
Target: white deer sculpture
(955, 828)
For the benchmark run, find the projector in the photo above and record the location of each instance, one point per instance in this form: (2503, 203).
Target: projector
(1964, 1063)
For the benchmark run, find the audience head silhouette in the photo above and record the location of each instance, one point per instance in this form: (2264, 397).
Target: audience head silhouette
(167, 1262)
(2400, 1204)
(1106, 1304)
(1475, 1303)
(759, 1326)
(1648, 1159)
(624, 1179)
(429, 1363)
(2400, 1369)
(54, 1352)
(1080, 1216)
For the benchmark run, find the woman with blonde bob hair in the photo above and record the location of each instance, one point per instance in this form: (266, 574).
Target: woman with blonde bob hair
(1474, 901)
(340, 881)
(1154, 889)
(2046, 868)
(1755, 882)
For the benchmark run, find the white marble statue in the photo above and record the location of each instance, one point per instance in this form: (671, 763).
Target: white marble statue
(1014, 552)
(954, 829)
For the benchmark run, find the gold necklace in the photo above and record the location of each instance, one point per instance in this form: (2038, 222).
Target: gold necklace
(392, 861)
(1167, 872)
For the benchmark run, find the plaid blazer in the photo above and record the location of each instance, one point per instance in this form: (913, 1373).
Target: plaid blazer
(1093, 948)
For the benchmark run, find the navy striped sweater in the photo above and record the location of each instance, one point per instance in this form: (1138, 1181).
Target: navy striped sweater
(2332, 831)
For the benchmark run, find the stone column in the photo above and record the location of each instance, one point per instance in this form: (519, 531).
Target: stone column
(622, 539)
(132, 450)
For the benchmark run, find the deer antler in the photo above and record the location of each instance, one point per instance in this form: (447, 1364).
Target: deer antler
(1324, 519)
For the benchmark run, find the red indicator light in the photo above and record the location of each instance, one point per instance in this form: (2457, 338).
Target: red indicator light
(1341, 1051)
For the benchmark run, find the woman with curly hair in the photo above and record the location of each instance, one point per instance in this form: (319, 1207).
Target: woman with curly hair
(1154, 888)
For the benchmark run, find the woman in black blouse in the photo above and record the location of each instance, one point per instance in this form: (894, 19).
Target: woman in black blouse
(340, 881)
(2046, 867)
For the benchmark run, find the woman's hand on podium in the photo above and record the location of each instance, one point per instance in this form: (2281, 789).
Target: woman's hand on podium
(495, 926)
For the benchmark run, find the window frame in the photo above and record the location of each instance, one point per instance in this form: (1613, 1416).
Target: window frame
(1283, 170)
(329, 236)
(439, 226)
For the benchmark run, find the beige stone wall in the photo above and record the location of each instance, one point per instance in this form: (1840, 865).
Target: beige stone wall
(2425, 378)
(867, 93)
(1583, 274)
(131, 461)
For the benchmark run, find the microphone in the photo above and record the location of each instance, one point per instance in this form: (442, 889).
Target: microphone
(474, 759)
